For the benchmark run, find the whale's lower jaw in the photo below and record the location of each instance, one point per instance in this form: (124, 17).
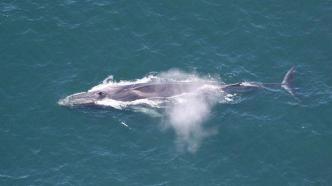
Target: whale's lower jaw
(79, 99)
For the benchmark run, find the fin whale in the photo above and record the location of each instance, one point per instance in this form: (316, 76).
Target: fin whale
(164, 90)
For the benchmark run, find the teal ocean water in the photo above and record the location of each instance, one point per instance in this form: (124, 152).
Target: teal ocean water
(50, 49)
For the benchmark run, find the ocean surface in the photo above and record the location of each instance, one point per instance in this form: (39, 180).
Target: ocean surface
(51, 49)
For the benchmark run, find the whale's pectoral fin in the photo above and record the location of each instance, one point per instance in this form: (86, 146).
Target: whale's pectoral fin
(288, 81)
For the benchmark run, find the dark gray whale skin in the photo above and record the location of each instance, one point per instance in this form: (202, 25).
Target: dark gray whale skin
(128, 93)
(165, 90)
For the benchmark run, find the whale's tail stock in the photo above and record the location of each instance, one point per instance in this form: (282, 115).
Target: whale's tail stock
(287, 82)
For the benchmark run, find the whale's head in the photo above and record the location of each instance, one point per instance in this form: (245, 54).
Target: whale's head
(82, 99)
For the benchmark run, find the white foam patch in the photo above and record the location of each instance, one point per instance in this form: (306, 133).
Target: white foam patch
(124, 124)
(125, 104)
(109, 82)
(185, 113)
